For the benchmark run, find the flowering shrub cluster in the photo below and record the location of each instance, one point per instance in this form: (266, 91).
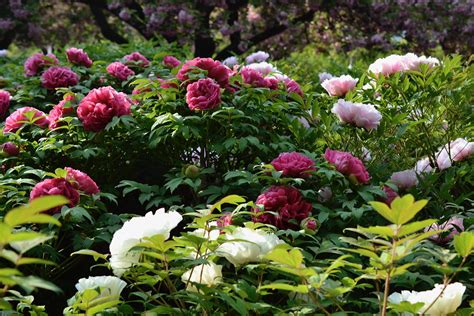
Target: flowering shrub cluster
(229, 187)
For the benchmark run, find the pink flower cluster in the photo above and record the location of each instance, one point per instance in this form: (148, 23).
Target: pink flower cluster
(457, 150)
(215, 70)
(79, 57)
(255, 79)
(4, 102)
(450, 228)
(100, 105)
(36, 62)
(203, 94)
(137, 59)
(348, 165)
(397, 63)
(171, 61)
(293, 164)
(359, 114)
(284, 207)
(24, 116)
(59, 77)
(119, 71)
(68, 187)
(339, 86)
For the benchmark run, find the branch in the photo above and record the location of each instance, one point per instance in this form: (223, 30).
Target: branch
(266, 34)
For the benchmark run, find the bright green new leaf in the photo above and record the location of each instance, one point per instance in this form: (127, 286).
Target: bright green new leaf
(415, 226)
(463, 243)
(89, 252)
(285, 287)
(383, 210)
(292, 258)
(230, 199)
(30, 213)
(385, 231)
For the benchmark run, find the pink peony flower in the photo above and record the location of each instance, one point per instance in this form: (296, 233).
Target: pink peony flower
(323, 76)
(4, 102)
(78, 56)
(215, 70)
(423, 166)
(100, 105)
(284, 207)
(405, 179)
(204, 94)
(310, 225)
(59, 111)
(137, 59)
(56, 186)
(37, 62)
(171, 61)
(451, 227)
(254, 78)
(263, 68)
(457, 150)
(81, 181)
(390, 195)
(293, 164)
(396, 63)
(59, 77)
(293, 87)
(10, 149)
(23, 116)
(119, 71)
(225, 220)
(339, 86)
(348, 165)
(359, 114)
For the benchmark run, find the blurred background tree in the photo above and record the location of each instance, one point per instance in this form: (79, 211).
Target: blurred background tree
(222, 28)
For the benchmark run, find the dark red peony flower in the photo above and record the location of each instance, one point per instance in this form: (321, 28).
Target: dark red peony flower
(59, 77)
(203, 94)
(10, 149)
(348, 165)
(215, 70)
(390, 195)
(284, 207)
(81, 181)
(56, 186)
(293, 164)
(100, 105)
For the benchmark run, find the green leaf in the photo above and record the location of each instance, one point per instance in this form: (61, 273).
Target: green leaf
(383, 210)
(385, 231)
(34, 261)
(89, 252)
(230, 199)
(292, 258)
(415, 226)
(301, 288)
(30, 213)
(463, 243)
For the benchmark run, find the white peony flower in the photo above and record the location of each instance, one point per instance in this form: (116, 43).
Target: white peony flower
(447, 303)
(110, 287)
(3, 52)
(230, 61)
(208, 274)
(366, 154)
(249, 246)
(404, 179)
(133, 232)
(263, 68)
(257, 57)
(423, 166)
(359, 114)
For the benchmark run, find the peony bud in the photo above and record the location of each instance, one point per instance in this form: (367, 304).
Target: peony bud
(310, 225)
(192, 172)
(10, 149)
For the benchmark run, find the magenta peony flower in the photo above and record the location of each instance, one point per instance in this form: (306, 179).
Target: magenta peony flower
(99, 106)
(78, 56)
(215, 70)
(284, 207)
(293, 164)
(171, 61)
(253, 78)
(59, 77)
(37, 62)
(56, 186)
(348, 165)
(390, 195)
(457, 150)
(293, 87)
(4, 102)
(59, 111)
(23, 116)
(310, 225)
(119, 71)
(137, 59)
(359, 114)
(339, 86)
(81, 181)
(204, 94)
(405, 179)
(10, 149)
(451, 227)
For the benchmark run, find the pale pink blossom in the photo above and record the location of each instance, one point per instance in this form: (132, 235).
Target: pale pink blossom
(457, 150)
(405, 179)
(359, 114)
(339, 86)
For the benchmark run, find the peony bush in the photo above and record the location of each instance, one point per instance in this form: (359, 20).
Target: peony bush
(243, 186)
